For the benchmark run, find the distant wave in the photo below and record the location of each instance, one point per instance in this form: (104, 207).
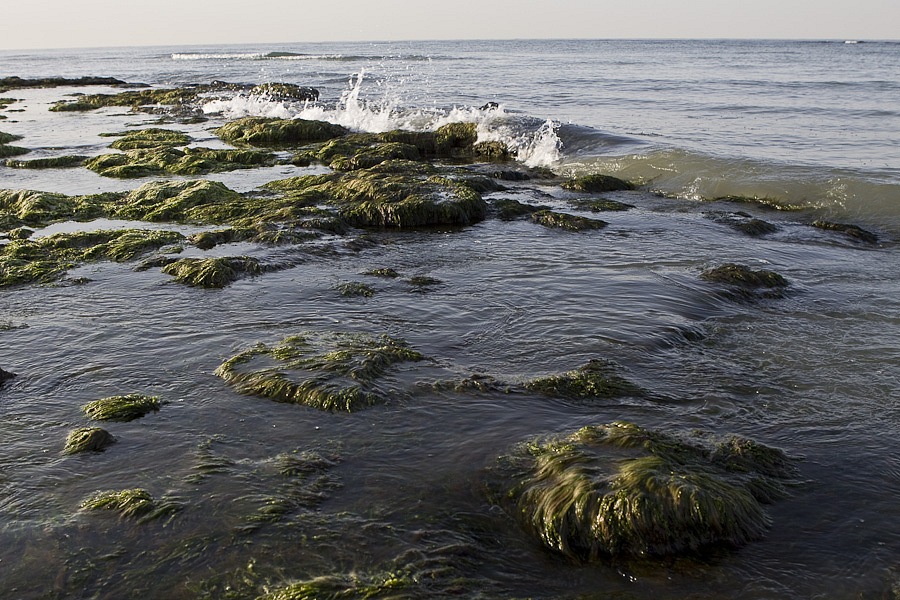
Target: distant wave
(281, 55)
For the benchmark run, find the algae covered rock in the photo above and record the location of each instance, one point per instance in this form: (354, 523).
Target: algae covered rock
(122, 408)
(57, 162)
(281, 92)
(601, 205)
(135, 503)
(335, 372)
(178, 201)
(597, 184)
(597, 379)
(567, 222)
(621, 490)
(149, 138)
(88, 439)
(6, 138)
(212, 272)
(744, 277)
(852, 231)
(6, 151)
(163, 159)
(269, 131)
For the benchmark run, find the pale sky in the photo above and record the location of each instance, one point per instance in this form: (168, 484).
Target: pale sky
(87, 23)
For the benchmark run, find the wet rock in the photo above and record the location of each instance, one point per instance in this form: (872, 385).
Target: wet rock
(5, 376)
(122, 408)
(385, 272)
(57, 162)
(6, 151)
(597, 379)
(6, 138)
(619, 490)
(556, 220)
(18, 83)
(88, 439)
(354, 289)
(163, 160)
(489, 106)
(334, 372)
(212, 272)
(286, 92)
(743, 222)
(149, 138)
(744, 277)
(597, 184)
(851, 231)
(272, 132)
(135, 503)
(601, 205)
(509, 209)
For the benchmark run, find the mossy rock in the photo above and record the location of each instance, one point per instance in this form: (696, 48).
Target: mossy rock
(88, 439)
(134, 99)
(339, 587)
(601, 205)
(334, 372)
(178, 201)
(6, 138)
(744, 277)
(57, 162)
(122, 408)
(852, 231)
(212, 272)
(597, 184)
(619, 490)
(150, 138)
(374, 155)
(281, 92)
(162, 160)
(597, 379)
(6, 151)
(273, 132)
(354, 289)
(556, 220)
(135, 503)
(492, 151)
(387, 273)
(456, 135)
(508, 209)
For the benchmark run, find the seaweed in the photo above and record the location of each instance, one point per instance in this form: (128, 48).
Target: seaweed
(135, 503)
(149, 138)
(567, 222)
(598, 379)
(122, 408)
(597, 184)
(212, 272)
(355, 289)
(57, 162)
(163, 159)
(621, 490)
(334, 372)
(88, 439)
(273, 132)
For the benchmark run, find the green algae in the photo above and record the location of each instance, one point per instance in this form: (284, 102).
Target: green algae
(7, 151)
(601, 205)
(338, 587)
(597, 184)
(212, 272)
(18, 83)
(135, 503)
(57, 162)
(567, 222)
(457, 136)
(744, 277)
(597, 379)
(370, 156)
(852, 231)
(122, 408)
(149, 138)
(88, 439)
(353, 289)
(621, 490)
(162, 160)
(134, 99)
(273, 132)
(6, 138)
(334, 372)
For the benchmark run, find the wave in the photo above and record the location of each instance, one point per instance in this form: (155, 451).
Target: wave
(871, 196)
(283, 55)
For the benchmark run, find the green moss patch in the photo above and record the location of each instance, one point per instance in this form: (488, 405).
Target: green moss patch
(88, 439)
(212, 272)
(149, 138)
(597, 379)
(335, 372)
(6, 138)
(133, 503)
(162, 160)
(567, 222)
(621, 490)
(122, 408)
(272, 132)
(57, 162)
(6, 151)
(597, 184)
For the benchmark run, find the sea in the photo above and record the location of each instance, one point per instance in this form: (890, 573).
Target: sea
(711, 131)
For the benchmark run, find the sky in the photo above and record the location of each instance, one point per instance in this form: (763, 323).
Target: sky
(29, 24)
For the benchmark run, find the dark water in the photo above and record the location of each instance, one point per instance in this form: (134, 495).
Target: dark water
(815, 373)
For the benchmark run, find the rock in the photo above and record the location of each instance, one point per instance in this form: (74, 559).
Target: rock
(281, 92)
(556, 220)
(849, 230)
(5, 376)
(597, 184)
(88, 439)
(272, 132)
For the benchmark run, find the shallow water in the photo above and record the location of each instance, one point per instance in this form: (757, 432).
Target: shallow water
(814, 373)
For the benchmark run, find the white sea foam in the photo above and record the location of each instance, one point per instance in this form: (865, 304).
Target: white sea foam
(219, 56)
(254, 56)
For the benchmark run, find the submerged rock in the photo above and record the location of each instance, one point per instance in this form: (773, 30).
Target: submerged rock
(601, 205)
(597, 184)
(556, 220)
(852, 231)
(621, 490)
(508, 209)
(212, 272)
(597, 379)
(135, 503)
(122, 408)
(335, 372)
(88, 439)
(744, 277)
